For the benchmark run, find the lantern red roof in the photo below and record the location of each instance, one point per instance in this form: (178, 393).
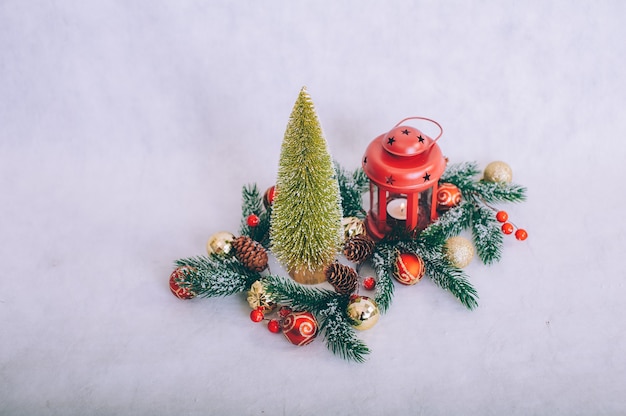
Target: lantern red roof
(404, 160)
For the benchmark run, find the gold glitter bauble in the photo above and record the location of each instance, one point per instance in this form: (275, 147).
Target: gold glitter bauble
(498, 172)
(258, 298)
(459, 251)
(220, 243)
(362, 312)
(352, 226)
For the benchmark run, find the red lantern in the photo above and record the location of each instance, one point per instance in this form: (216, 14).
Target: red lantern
(404, 166)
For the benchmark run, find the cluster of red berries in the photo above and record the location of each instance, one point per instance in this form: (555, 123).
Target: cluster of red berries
(508, 227)
(273, 325)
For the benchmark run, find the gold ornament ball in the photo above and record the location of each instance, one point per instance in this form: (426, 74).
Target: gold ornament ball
(352, 226)
(498, 172)
(258, 298)
(362, 312)
(220, 243)
(459, 251)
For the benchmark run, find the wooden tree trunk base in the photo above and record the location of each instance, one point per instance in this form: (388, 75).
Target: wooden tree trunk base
(307, 277)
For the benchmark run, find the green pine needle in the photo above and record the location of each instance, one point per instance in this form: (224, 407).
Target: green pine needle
(452, 279)
(486, 234)
(384, 263)
(252, 203)
(288, 292)
(448, 225)
(493, 192)
(351, 188)
(216, 275)
(339, 335)
(461, 174)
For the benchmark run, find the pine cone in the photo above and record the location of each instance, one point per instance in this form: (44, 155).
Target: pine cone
(358, 248)
(343, 278)
(250, 253)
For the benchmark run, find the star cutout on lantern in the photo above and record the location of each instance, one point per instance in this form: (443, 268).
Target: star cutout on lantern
(390, 180)
(420, 139)
(426, 177)
(390, 141)
(405, 131)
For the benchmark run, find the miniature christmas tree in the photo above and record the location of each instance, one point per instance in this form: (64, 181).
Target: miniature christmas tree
(305, 228)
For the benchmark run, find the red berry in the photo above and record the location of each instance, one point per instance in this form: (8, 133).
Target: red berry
(253, 220)
(273, 326)
(256, 315)
(369, 283)
(502, 216)
(521, 234)
(507, 228)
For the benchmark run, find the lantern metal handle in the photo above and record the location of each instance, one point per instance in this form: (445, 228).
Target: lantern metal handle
(427, 119)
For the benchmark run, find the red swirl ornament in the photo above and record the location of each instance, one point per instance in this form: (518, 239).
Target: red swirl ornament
(300, 328)
(448, 196)
(176, 278)
(409, 268)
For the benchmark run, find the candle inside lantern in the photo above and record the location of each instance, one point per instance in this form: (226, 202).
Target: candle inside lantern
(396, 208)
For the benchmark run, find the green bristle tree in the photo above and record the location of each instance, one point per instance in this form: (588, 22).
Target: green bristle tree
(305, 230)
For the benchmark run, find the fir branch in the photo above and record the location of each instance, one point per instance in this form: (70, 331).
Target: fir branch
(351, 189)
(384, 263)
(486, 234)
(461, 174)
(298, 297)
(252, 203)
(216, 275)
(449, 224)
(491, 192)
(339, 335)
(452, 279)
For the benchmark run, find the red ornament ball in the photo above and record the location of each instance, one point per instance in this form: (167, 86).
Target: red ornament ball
(268, 196)
(177, 277)
(409, 268)
(369, 283)
(448, 196)
(300, 328)
(274, 326)
(521, 234)
(502, 216)
(257, 315)
(253, 220)
(507, 228)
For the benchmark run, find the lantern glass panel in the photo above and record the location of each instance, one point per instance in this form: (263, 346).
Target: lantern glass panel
(374, 198)
(425, 204)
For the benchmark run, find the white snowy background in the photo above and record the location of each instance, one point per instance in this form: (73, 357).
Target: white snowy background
(127, 129)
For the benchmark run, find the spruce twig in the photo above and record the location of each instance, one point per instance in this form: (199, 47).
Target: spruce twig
(452, 279)
(351, 188)
(215, 275)
(384, 263)
(298, 297)
(493, 192)
(339, 335)
(486, 234)
(252, 203)
(449, 224)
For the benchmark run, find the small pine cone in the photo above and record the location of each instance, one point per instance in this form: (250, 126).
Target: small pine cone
(250, 253)
(358, 248)
(343, 278)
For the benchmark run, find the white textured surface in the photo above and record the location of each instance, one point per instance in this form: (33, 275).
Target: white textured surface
(128, 128)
